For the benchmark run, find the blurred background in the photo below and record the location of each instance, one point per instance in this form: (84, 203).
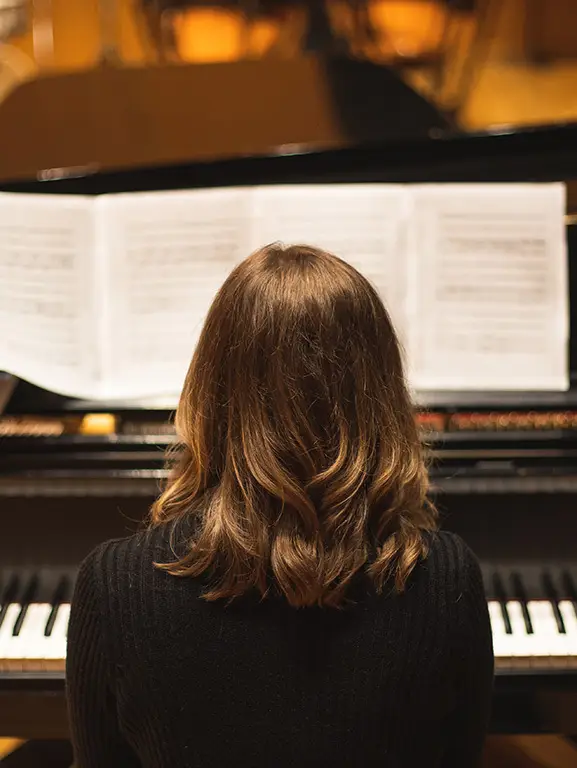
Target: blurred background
(483, 64)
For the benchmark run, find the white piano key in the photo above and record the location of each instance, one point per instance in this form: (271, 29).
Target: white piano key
(7, 629)
(548, 640)
(28, 642)
(522, 645)
(17, 645)
(61, 623)
(36, 640)
(56, 645)
(501, 640)
(496, 616)
(570, 621)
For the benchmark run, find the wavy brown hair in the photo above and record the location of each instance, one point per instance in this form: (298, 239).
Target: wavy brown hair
(298, 457)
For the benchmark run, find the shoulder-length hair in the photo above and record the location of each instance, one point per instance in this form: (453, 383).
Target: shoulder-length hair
(299, 460)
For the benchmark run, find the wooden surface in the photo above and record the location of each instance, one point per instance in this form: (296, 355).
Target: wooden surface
(7, 746)
(530, 752)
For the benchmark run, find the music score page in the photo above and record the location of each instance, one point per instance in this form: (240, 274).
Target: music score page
(364, 224)
(48, 292)
(166, 254)
(489, 287)
(105, 298)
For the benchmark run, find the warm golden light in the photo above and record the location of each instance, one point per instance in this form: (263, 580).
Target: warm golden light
(524, 70)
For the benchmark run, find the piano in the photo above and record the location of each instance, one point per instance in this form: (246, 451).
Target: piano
(504, 472)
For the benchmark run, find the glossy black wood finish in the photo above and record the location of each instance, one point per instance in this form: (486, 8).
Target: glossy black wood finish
(513, 496)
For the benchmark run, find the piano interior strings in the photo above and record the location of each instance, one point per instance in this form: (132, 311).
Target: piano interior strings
(503, 472)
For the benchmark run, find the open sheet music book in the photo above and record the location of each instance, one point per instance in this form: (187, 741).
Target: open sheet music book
(105, 297)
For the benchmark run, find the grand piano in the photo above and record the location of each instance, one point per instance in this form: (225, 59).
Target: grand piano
(504, 475)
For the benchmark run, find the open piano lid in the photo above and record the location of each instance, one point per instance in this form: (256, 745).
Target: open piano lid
(128, 117)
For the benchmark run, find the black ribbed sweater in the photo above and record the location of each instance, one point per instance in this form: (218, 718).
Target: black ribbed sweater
(158, 677)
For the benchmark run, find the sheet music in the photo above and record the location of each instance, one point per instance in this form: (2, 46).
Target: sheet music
(167, 254)
(106, 298)
(364, 224)
(489, 269)
(47, 291)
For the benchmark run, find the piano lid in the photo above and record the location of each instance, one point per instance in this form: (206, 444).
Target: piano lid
(544, 153)
(415, 68)
(121, 117)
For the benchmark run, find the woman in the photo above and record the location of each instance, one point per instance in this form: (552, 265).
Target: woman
(291, 603)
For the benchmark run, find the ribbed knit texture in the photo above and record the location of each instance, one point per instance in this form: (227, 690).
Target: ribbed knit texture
(160, 678)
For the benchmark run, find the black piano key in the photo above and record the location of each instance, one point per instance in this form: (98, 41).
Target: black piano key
(553, 597)
(499, 589)
(521, 595)
(61, 595)
(9, 595)
(570, 588)
(27, 598)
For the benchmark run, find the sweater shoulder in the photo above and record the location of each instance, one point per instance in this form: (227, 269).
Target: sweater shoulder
(450, 559)
(119, 561)
(449, 546)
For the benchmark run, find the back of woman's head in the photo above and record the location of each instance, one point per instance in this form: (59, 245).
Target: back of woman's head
(299, 458)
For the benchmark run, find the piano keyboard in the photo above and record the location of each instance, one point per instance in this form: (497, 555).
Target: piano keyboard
(538, 634)
(34, 624)
(31, 645)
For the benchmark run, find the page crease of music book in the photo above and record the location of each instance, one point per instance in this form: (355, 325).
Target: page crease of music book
(104, 298)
